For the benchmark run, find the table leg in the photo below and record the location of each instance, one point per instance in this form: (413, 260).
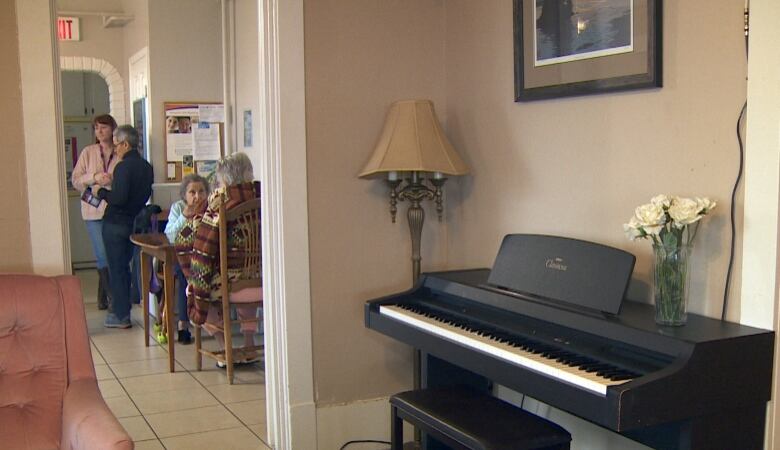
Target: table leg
(146, 263)
(170, 310)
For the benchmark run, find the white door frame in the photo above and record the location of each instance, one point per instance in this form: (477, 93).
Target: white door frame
(282, 121)
(43, 137)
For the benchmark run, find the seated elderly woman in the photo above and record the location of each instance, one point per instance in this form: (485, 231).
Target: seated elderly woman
(194, 190)
(197, 248)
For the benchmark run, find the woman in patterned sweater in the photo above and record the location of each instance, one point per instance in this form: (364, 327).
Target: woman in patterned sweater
(197, 248)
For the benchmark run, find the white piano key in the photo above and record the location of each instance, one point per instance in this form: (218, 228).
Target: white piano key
(535, 362)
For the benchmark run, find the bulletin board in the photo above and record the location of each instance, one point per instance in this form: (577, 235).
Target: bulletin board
(193, 138)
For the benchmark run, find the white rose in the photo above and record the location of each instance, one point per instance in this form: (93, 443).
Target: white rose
(662, 200)
(632, 229)
(684, 211)
(705, 205)
(650, 217)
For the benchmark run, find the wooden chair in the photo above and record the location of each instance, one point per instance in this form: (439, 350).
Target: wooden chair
(244, 291)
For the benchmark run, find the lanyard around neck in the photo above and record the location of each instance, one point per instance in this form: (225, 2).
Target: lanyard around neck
(106, 165)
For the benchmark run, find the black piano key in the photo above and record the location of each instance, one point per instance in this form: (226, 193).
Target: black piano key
(595, 367)
(606, 373)
(565, 357)
(621, 377)
(579, 361)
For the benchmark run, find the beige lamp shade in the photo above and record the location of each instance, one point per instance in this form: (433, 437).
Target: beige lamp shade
(412, 140)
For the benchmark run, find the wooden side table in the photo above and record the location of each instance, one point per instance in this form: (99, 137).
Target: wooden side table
(156, 245)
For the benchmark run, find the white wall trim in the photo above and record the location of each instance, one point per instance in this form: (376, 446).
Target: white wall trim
(138, 80)
(43, 137)
(116, 87)
(292, 422)
(761, 249)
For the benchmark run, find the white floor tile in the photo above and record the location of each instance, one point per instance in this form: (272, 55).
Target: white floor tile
(187, 409)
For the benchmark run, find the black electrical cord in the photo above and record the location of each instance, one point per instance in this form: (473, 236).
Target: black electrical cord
(736, 183)
(364, 441)
(733, 212)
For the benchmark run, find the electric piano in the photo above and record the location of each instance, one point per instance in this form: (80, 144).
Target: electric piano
(550, 321)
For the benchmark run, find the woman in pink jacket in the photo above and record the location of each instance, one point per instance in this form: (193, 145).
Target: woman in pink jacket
(93, 170)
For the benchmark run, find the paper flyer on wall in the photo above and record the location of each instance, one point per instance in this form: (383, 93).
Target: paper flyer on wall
(187, 165)
(206, 142)
(205, 168)
(178, 134)
(211, 113)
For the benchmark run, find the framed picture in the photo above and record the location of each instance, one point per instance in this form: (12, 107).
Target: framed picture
(566, 48)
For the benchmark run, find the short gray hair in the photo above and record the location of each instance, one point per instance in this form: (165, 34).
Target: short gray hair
(235, 169)
(192, 178)
(126, 133)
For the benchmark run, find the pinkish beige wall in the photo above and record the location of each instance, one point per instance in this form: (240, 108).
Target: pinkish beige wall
(185, 62)
(574, 167)
(246, 80)
(578, 167)
(361, 55)
(15, 222)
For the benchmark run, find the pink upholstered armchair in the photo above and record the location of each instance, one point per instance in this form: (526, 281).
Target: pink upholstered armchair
(49, 398)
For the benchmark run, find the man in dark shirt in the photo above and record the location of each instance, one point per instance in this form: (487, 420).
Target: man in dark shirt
(130, 190)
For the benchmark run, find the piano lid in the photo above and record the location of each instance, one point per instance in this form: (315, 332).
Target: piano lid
(562, 270)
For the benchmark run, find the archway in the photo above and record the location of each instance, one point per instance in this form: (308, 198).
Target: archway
(116, 87)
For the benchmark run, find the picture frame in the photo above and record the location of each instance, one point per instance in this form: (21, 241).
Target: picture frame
(584, 47)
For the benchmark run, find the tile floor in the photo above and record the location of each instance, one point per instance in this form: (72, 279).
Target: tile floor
(182, 410)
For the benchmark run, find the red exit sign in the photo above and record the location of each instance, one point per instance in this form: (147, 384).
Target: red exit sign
(68, 28)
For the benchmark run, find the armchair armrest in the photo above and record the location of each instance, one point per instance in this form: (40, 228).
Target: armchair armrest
(87, 423)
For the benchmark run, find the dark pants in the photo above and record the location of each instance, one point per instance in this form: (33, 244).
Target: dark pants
(181, 294)
(119, 252)
(135, 276)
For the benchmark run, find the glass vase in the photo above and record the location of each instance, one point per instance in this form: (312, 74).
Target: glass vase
(671, 279)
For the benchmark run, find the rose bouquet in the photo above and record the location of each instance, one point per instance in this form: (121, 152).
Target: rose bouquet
(668, 220)
(671, 223)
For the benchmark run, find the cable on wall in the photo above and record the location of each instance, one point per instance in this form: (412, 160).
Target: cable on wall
(746, 16)
(733, 213)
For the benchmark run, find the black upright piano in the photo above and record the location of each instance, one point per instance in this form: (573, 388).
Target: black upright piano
(550, 321)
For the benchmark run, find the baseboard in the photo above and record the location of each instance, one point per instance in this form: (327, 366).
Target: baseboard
(303, 419)
(364, 419)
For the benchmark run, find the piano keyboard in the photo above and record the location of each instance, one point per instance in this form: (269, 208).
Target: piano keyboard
(577, 370)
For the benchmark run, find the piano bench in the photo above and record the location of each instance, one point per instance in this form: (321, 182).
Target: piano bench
(464, 418)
